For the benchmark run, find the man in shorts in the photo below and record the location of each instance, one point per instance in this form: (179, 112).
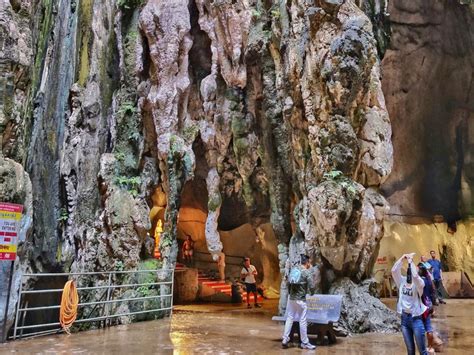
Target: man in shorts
(247, 275)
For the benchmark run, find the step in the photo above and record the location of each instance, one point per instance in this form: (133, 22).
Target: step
(213, 283)
(222, 287)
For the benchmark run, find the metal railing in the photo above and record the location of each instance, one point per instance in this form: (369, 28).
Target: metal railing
(235, 260)
(105, 295)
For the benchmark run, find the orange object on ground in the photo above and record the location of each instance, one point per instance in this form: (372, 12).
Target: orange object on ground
(69, 302)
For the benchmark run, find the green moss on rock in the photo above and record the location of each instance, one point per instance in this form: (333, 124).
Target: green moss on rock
(215, 201)
(85, 24)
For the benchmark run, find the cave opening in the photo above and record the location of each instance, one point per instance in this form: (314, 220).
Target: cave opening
(198, 279)
(201, 281)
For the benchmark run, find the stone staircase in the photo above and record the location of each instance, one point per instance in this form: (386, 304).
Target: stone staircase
(206, 282)
(216, 290)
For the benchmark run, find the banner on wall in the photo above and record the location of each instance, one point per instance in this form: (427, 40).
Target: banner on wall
(10, 216)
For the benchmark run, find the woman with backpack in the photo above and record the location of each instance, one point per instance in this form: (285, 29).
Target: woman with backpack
(410, 306)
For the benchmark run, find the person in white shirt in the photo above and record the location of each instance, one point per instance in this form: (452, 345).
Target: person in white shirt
(410, 306)
(247, 275)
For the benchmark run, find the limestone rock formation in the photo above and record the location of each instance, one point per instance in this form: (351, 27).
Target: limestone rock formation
(16, 54)
(246, 111)
(362, 312)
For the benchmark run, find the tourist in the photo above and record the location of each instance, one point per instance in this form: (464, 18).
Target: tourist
(437, 276)
(247, 275)
(429, 270)
(188, 249)
(221, 265)
(426, 298)
(409, 306)
(300, 283)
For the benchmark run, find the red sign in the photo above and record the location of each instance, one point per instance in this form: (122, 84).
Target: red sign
(10, 216)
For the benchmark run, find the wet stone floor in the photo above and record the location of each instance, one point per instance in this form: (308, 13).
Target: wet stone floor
(225, 329)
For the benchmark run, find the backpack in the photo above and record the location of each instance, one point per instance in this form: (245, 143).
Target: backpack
(295, 275)
(242, 278)
(426, 300)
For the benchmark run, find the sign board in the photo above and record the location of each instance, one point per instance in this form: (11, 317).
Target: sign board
(10, 216)
(324, 308)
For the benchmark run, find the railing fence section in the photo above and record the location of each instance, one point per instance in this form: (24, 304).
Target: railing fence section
(106, 289)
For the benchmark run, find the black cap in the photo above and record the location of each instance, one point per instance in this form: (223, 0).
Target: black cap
(304, 258)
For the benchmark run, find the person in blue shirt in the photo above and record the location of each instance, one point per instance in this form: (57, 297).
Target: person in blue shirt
(437, 275)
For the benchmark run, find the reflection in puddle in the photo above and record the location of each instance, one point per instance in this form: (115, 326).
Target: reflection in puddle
(237, 331)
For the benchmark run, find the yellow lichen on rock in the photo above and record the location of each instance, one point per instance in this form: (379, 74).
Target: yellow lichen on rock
(456, 250)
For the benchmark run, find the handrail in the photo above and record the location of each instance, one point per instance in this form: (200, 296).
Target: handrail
(227, 256)
(96, 287)
(107, 311)
(213, 262)
(94, 273)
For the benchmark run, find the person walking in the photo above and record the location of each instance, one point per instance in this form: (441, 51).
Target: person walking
(300, 283)
(437, 276)
(247, 275)
(410, 306)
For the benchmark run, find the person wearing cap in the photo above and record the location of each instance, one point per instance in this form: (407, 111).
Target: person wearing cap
(410, 306)
(426, 298)
(296, 307)
(429, 276)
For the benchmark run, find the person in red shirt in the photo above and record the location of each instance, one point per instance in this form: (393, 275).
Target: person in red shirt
(188, 249)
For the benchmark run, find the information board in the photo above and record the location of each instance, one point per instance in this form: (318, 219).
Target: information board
(10, 216)
(325, 308)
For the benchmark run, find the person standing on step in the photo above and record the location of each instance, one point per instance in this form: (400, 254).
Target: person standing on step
(300, 283)
(437, 276)
(247, 275)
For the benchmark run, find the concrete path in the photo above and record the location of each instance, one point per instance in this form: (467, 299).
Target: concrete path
(226, 329)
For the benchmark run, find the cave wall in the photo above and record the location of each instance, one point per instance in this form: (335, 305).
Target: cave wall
(428, 86)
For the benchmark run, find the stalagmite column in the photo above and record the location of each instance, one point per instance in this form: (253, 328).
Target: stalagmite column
(166, 26)
(213, 241)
